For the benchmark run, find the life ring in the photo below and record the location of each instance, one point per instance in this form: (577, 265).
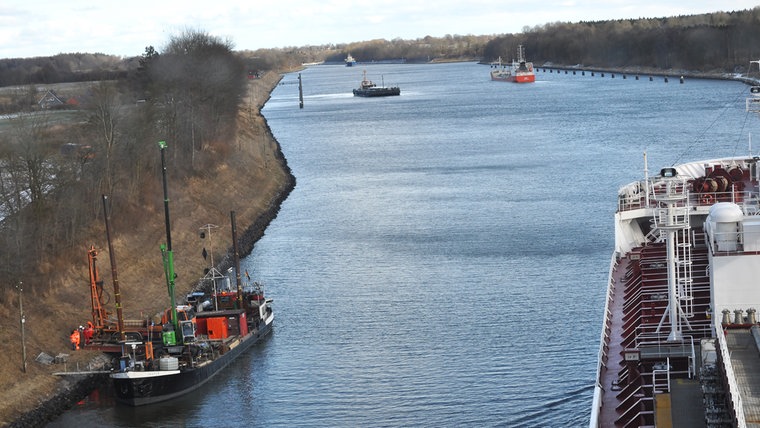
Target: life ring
(707, 199)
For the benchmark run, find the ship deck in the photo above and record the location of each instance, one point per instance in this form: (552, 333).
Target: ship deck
(647, 379)
(636, 306)
(686, 398)
(745, 360)
(613, 347)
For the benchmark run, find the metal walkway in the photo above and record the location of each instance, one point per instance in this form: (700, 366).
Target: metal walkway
(745, 358)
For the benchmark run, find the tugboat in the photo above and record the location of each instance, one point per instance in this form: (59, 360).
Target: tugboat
(196, 340)
(367, 88)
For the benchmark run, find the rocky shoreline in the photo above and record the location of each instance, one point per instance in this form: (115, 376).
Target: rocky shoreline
(72, 389)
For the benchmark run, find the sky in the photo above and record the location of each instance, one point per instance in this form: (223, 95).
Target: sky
(34, 28)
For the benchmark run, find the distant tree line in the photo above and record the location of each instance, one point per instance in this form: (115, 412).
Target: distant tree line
(720, 42)
(449, 47)
(55, 165)
(75, 67)
(713, 42)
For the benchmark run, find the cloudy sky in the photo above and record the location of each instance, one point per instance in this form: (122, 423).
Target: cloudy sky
(30, 28)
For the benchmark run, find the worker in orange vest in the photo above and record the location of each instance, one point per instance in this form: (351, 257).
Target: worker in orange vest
(88, 332)
(74, 338)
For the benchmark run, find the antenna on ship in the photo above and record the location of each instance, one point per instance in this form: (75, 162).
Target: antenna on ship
(212, 273)
(753, 102)
(236, 256)
(646, 178)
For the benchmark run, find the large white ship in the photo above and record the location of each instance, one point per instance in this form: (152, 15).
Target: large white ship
(680, 343)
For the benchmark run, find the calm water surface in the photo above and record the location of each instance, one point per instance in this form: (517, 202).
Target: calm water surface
(443, 258)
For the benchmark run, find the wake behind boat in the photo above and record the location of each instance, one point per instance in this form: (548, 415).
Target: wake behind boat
(680, 342)
(367, 88)
(520, 71)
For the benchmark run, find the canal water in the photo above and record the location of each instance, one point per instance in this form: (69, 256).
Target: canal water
(443, 258)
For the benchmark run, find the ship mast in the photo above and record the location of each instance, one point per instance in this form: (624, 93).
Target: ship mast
(671, 217)
(236, 254)
(116, 290)
(213, 274)
(166, 249)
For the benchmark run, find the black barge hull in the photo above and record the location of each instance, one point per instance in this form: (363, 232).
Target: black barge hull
(138, 388)
(377, 92)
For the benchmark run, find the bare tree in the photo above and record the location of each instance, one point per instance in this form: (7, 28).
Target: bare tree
(200, 82)
(27, 176)
(105, 119)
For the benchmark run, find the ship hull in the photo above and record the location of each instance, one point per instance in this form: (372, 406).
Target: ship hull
(520, 78)
(377, 92)
(139, 388)
(526, 78)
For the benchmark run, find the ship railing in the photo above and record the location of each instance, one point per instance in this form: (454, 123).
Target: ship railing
(603, 346)
(633, 196)
(657, 345)
(732, 242)
(661, 379)
(733, 384)
(746, 199)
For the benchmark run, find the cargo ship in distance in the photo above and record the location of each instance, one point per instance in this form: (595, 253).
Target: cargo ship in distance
(680, 342)
(520, 71)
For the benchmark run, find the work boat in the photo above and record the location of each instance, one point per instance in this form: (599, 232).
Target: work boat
(368, 88)
(196, 340)
(680, 344)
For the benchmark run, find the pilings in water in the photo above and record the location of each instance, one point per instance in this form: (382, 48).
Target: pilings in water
(603, 73)
(300, 91)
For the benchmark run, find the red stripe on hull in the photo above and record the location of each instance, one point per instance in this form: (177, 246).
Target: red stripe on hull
(516, 79)
(524, 79)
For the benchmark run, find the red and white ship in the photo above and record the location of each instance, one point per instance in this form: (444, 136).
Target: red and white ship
(680, 342)
(520, 71)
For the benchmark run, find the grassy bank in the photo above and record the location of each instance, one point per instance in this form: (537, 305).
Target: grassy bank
(252, 181)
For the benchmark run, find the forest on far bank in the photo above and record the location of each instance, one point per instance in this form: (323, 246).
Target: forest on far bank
(718, 42)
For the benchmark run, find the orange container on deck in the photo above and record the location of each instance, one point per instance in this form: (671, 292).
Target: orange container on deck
(217, 328)
(200, 326)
